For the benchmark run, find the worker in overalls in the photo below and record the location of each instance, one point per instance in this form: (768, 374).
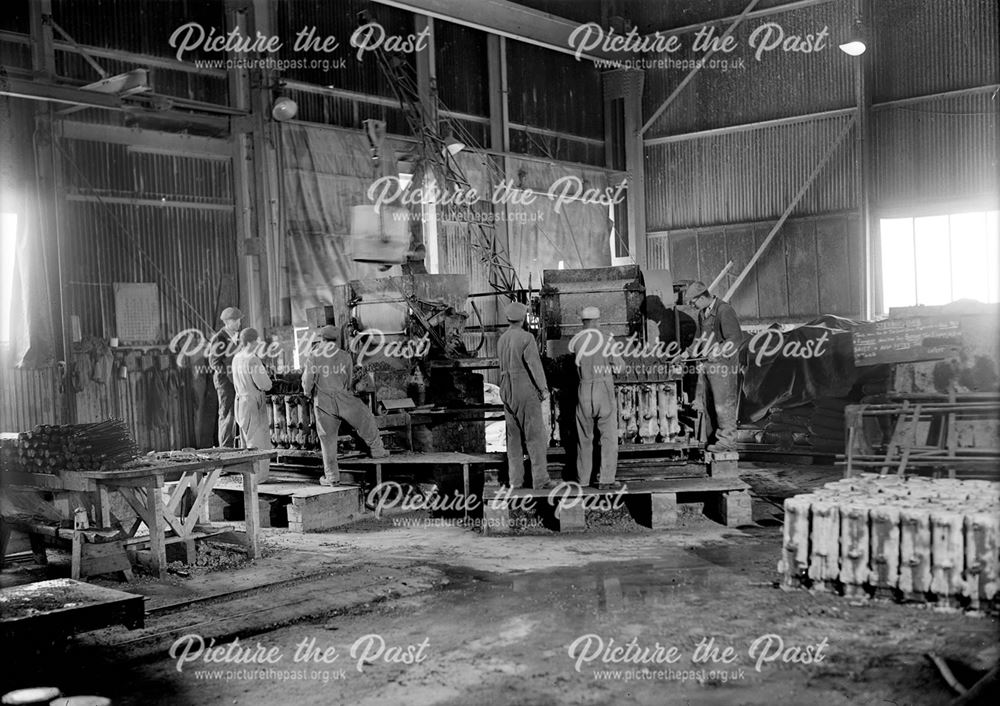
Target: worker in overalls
(251, 381)
(327, 378)
(523, 391)
(596, 409)
(221, 348)
(718, 339)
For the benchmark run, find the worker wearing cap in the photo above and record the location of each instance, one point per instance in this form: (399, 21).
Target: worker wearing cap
(221, 349)
(718, 340)
(327, 378)
(596, 409)
(251, 381)
(523, 390)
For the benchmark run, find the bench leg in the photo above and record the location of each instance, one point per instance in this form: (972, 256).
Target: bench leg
(38, 549)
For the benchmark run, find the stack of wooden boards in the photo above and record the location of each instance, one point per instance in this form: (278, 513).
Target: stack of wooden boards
(906, 538)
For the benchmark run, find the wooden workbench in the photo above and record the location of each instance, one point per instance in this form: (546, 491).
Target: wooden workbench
(156, 493)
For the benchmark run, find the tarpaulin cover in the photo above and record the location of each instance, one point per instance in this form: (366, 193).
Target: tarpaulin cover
(779, 374)
(31, 315)
(326, 172)
(540, 237)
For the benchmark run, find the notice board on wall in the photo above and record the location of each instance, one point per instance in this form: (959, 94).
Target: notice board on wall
(137, 312)
(906, 340)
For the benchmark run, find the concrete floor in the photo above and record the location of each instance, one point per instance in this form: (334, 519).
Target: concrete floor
(452, 617)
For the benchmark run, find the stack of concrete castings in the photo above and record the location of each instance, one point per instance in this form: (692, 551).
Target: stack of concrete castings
(906, 538)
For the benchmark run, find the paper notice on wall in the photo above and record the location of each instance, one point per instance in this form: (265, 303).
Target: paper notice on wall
(137, 312)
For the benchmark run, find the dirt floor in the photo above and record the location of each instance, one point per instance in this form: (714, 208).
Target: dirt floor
(408, 610)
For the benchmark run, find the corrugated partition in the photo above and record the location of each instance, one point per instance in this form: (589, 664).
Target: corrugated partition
(132, 216)
(146, 214)
(937, 150)
(811, 266)
(748, 176)
(746, 89)
(28, 397)
(931, 47)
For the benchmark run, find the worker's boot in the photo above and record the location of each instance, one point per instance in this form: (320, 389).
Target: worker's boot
(378, 450)
(613, 485)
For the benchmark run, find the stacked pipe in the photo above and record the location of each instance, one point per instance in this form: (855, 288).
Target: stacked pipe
(98, 446)
(906, 538)
(291, 423)
(648, 412)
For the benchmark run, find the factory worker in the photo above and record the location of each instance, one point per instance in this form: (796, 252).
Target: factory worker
(327, 377)
(718, 340)
(221, 348)
(596, 408)
(251, 381)
(523, 391)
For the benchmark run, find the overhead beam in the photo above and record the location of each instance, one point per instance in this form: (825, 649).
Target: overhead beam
(148, 140)
(756, 14)
(506, 19)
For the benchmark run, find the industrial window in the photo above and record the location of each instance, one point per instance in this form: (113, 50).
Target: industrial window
(935, 260)
(8, 247)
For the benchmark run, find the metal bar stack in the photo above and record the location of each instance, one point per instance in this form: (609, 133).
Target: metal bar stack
(98, 446)
(906, 538)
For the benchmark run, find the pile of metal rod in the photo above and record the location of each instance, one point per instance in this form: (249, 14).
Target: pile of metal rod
(291, 422)
(905, 538)
(98, 446)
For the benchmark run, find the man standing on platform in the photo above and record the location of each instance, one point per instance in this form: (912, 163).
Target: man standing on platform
(327, 377)
(251, 381)
(523, 391)
(596, 407)
(718, 339)
(221, 349)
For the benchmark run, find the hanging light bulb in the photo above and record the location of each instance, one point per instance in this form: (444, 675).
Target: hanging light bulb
(284, 109)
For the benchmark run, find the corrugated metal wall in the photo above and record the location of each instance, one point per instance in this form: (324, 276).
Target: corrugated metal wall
(779, 84)
(557, 93)
(700, 189)
(937, 150)
(336, 19)
(121, 226)
(811, 266)
(28, 397)
(930, 47)
(747, 176)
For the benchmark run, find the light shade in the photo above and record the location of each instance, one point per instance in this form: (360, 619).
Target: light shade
(284, 109)
(855, 47)
(452, 145)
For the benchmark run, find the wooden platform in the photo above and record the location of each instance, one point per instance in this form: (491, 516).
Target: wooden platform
(46, 610)
(653, 503)
(302, 507)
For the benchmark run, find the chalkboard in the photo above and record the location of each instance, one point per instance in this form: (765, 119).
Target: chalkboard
(906, 340)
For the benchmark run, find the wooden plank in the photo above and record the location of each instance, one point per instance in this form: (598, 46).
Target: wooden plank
(772, 286)
(855, 263)
(711, 255)
(204, 492)
(836, 293)
(684, 255)
(251, 510)
(800, 262)
(740, 245)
